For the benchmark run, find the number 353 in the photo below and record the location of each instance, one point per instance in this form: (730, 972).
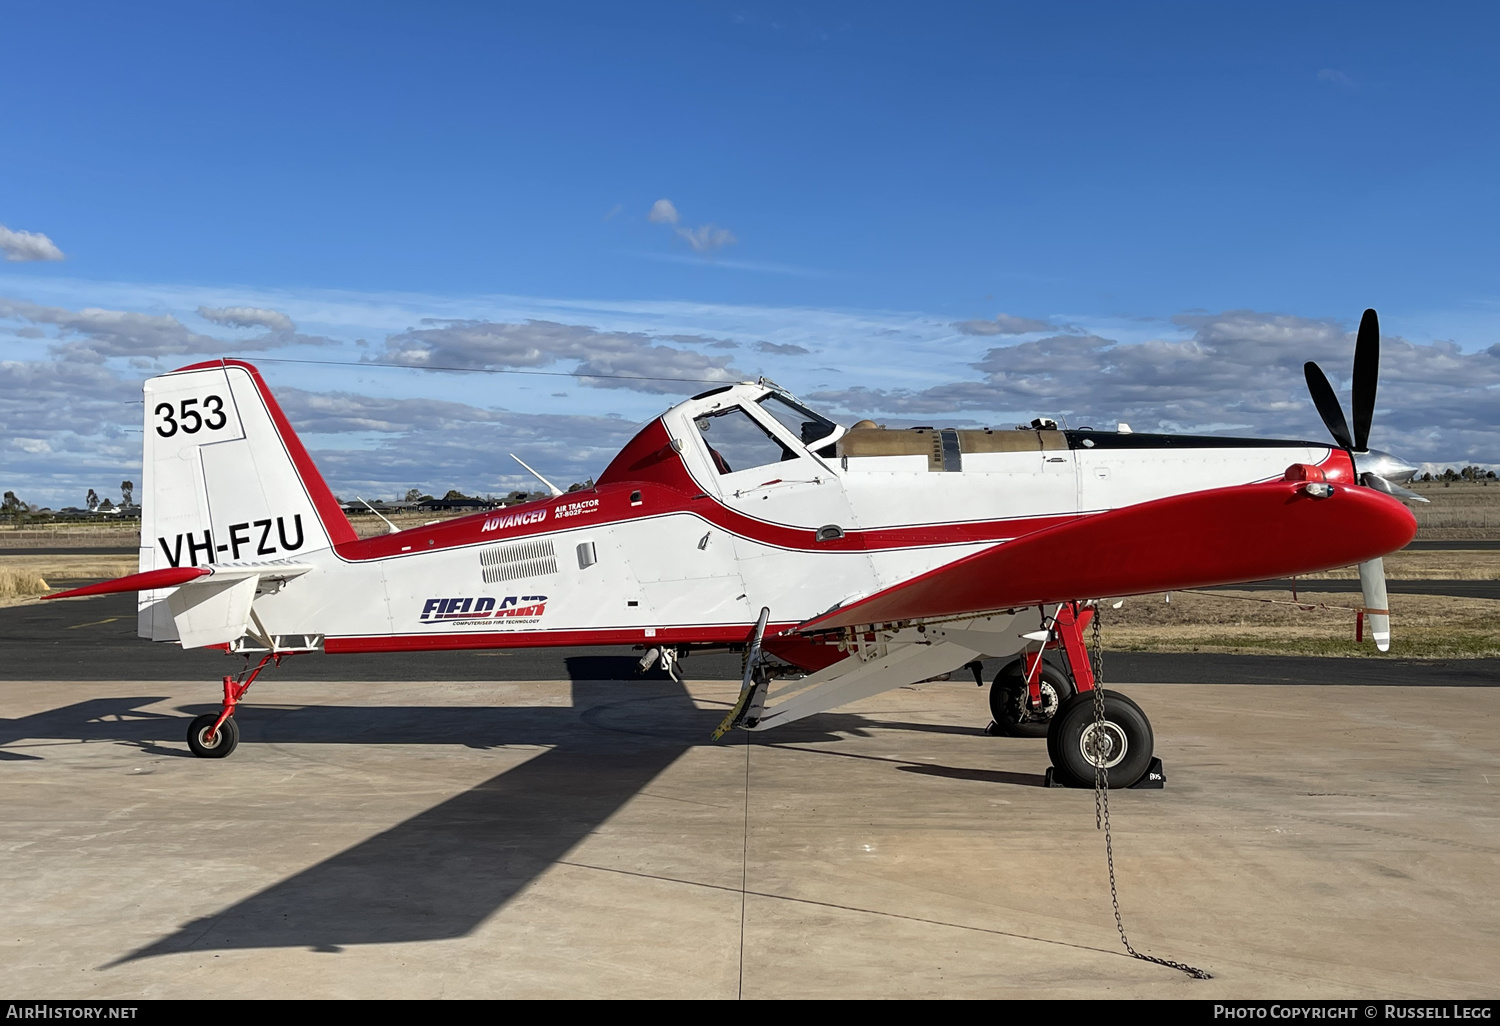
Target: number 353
(186, 418)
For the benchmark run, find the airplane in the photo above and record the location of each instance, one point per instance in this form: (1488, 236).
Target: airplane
(841, 561)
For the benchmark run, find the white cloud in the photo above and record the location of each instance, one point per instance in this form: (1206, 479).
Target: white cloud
(663, 212)
(247, 317)
(100, 333)
(706, 238)
(95, 333)
(621, 359)
(781, 349)
(1003, 324)
(1338, 78)
(437, 445)
(20, 246)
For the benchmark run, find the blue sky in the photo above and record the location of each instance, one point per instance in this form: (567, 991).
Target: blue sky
(973, 212)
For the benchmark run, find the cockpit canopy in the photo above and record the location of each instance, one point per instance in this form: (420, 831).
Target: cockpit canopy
(737, 440)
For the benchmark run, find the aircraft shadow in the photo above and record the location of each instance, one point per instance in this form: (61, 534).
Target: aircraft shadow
(442, 872)
(985, 776)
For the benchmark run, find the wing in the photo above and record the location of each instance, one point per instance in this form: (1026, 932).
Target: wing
(1220, 536)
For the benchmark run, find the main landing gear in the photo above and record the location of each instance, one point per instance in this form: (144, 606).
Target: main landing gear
(1034, 697)
(216, 735)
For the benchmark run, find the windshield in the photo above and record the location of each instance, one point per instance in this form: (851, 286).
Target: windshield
(803, 423)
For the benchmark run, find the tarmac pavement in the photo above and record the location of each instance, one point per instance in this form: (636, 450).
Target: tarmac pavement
(563, 838)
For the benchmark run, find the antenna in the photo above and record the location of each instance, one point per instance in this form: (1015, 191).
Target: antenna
(393, 528)
(556, 491)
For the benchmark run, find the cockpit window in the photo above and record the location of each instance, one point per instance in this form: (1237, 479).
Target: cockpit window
(798, 419)
(736, 442)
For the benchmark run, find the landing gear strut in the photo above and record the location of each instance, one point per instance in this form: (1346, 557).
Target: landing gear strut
(1035, 698)
(1029, 692)
(216, 735)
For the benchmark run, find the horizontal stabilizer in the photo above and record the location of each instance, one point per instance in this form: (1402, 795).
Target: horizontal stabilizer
(1198, 540)
(149, 581)
(171, 577)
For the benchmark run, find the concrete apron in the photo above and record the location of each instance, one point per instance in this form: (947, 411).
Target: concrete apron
(585, 839)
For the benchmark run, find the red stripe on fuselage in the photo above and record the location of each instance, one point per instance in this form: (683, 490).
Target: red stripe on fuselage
(721, 634)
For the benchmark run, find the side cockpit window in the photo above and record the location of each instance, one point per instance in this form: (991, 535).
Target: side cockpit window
(736, 442)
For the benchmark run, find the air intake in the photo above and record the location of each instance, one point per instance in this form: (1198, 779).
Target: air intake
(522, 559)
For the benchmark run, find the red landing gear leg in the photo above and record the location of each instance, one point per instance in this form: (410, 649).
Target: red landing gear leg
(215, 735)
(1073, 618)
(1029, 692)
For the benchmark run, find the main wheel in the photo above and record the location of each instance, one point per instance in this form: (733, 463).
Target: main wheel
(1010, 704)
(1122, 744)
(225, 739)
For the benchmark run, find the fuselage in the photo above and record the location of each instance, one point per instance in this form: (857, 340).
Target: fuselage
(734, 500)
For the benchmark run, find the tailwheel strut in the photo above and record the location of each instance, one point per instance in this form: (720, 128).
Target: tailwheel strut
(215, 735)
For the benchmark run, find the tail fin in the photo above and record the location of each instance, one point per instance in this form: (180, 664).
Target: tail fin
(225, 478)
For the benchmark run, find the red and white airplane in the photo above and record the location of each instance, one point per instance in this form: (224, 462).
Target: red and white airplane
(843, 561)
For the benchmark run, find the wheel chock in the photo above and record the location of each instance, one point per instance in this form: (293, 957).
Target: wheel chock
(1154, 779)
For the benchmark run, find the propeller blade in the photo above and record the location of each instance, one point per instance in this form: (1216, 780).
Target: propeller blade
(1327, 404)
(1366, 377)
(1377, 608)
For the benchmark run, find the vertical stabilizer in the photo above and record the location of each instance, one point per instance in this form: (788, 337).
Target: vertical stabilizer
(225, 479)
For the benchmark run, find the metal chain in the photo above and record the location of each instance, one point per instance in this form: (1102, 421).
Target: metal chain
(1101, 808)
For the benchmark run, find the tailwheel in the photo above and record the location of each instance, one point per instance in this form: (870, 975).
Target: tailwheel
(215, 735)
(208, 743)
(1122, 744)
(1015, 714)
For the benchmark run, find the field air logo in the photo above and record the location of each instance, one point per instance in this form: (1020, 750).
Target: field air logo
(509, 611)
(253, 537)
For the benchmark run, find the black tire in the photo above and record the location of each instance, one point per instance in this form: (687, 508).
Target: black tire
(225, 740)
(1009, 703)
(1127, 731)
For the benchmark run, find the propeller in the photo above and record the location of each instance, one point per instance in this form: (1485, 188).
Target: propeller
(1374, 469)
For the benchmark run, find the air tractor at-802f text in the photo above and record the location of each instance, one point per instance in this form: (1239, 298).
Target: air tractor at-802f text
(843, 561)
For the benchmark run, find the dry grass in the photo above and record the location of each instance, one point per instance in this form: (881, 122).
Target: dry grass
(1422, 626)
(21, 584)
(1462, 510)
(55, 573)
(1419, 565)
